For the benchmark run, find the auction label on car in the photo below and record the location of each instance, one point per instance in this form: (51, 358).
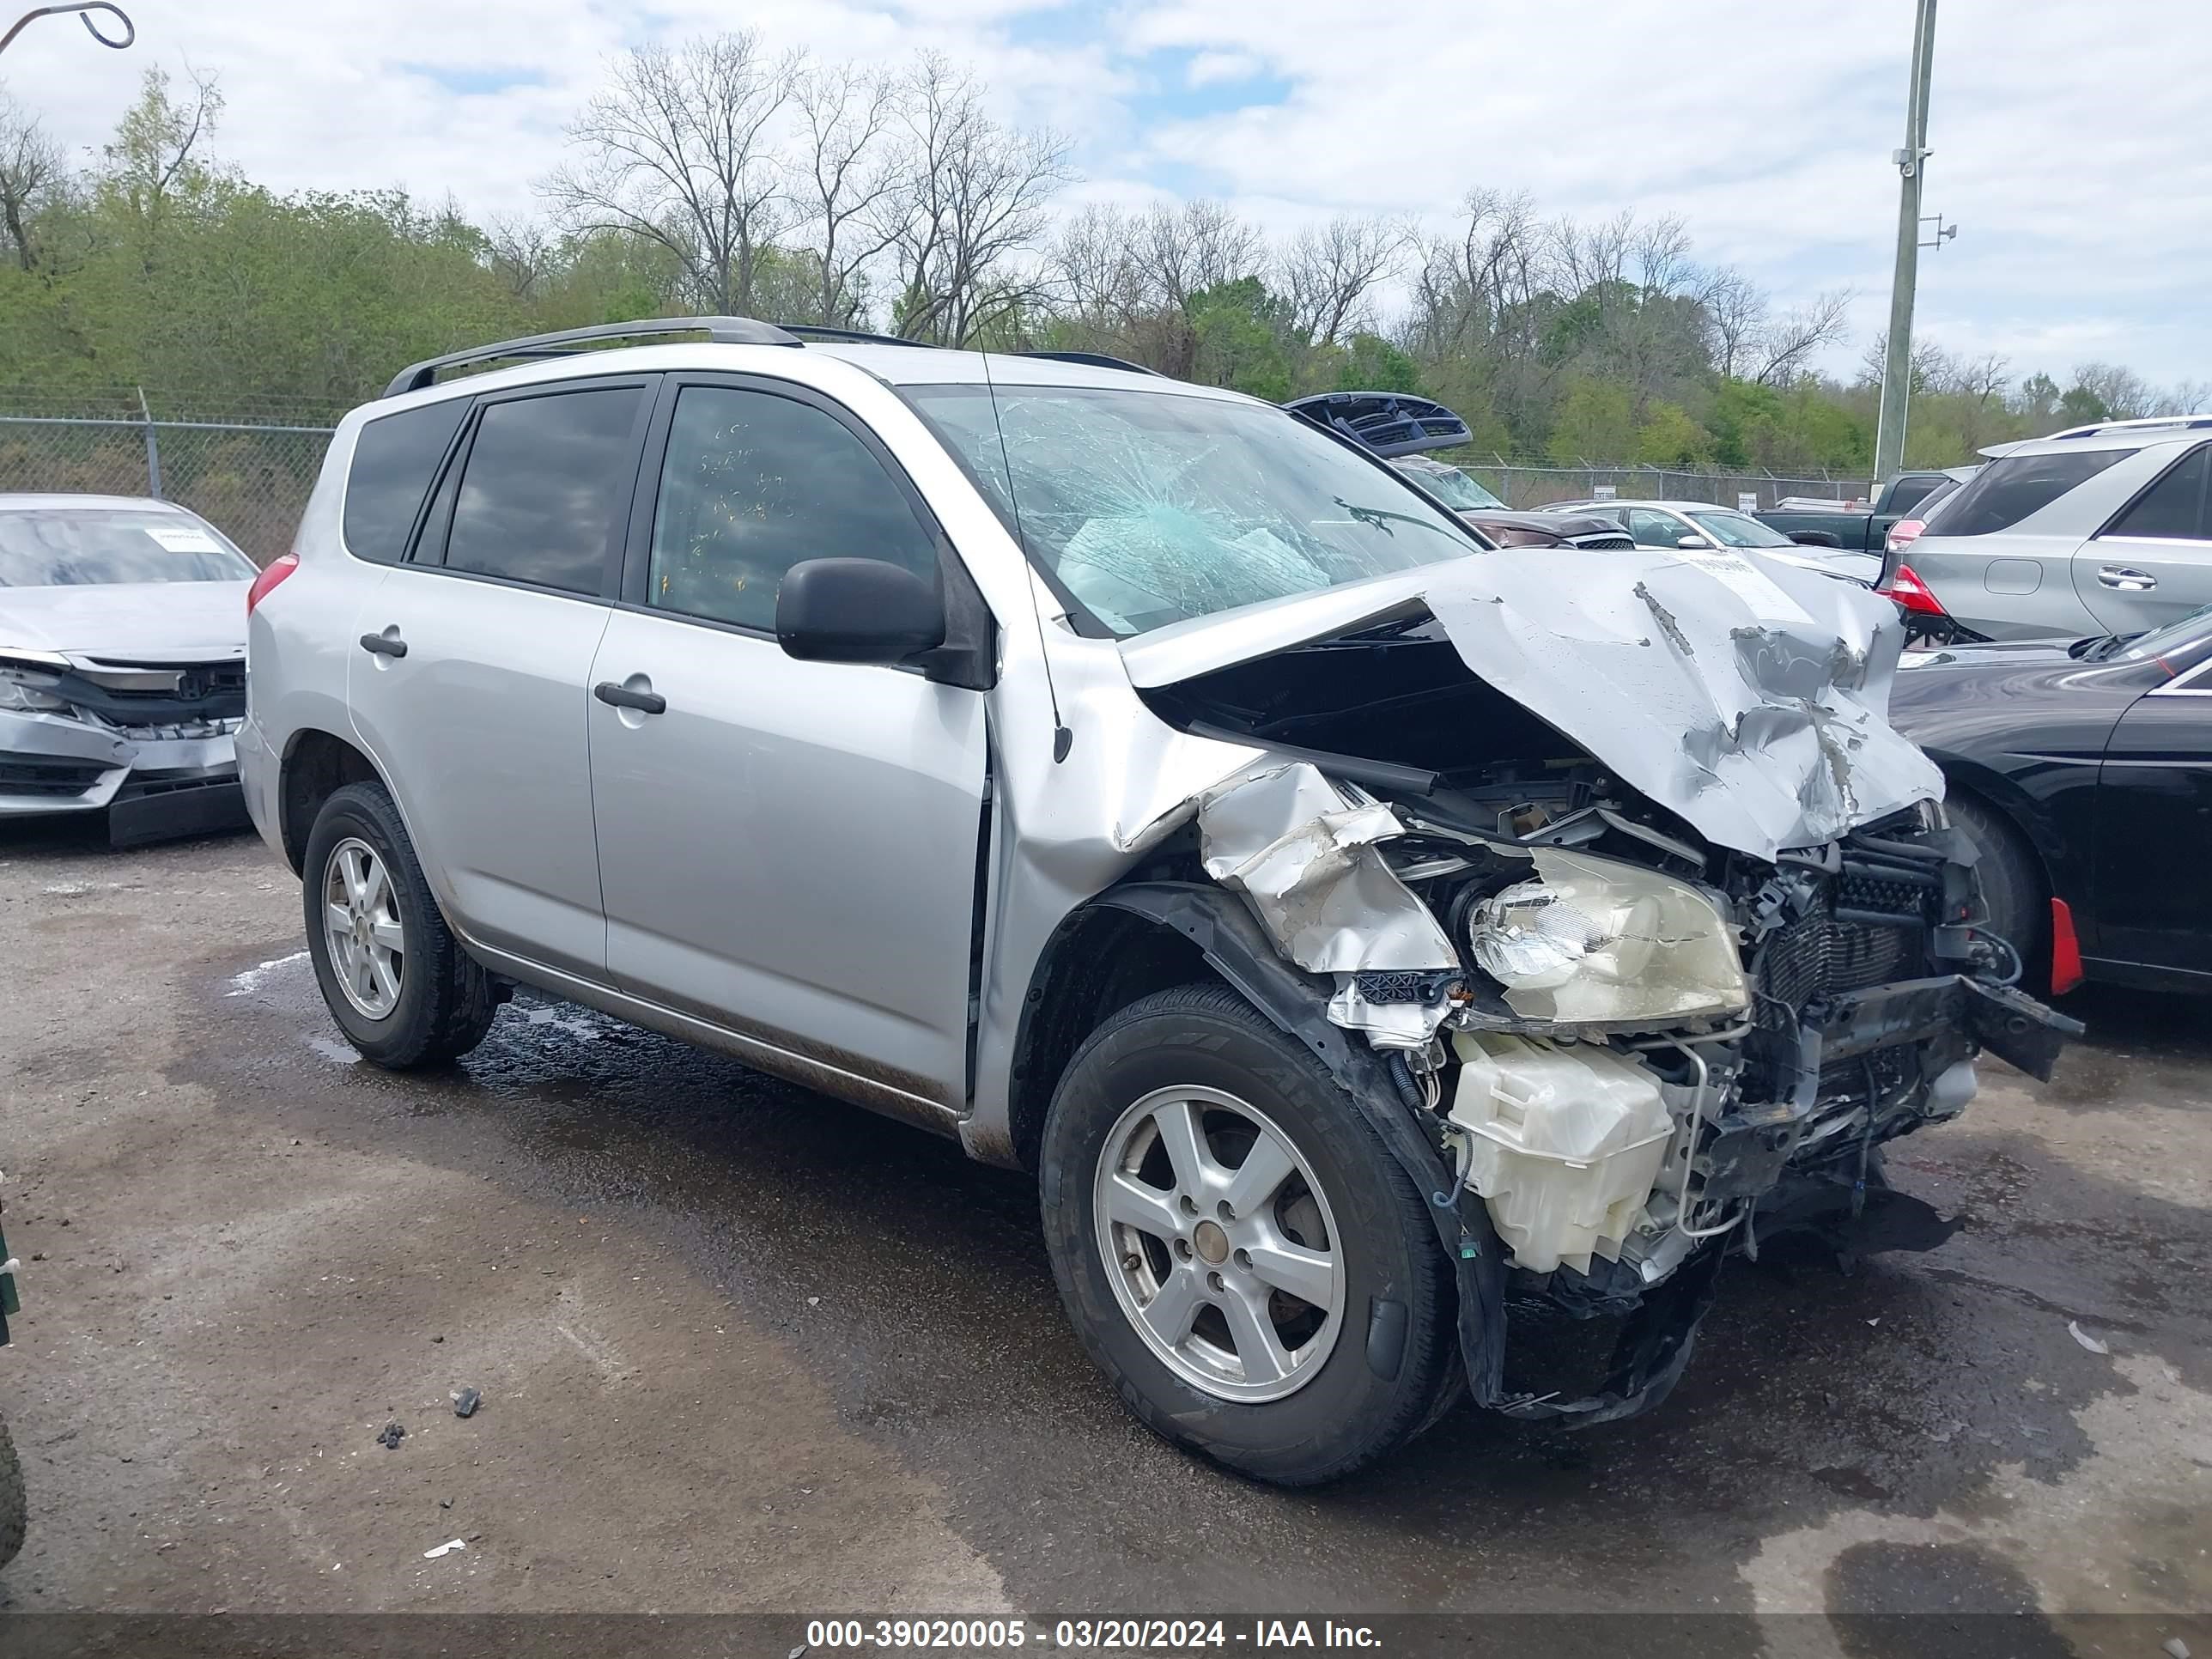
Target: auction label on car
(1754, 587)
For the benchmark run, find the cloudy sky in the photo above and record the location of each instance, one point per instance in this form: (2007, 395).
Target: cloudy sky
(2070, 139)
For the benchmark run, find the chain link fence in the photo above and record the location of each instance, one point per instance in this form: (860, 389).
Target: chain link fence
(248, 470)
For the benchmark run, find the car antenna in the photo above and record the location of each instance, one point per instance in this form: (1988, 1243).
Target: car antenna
(1062, 739)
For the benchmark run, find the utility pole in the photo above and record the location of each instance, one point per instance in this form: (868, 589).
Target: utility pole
(1911, 164)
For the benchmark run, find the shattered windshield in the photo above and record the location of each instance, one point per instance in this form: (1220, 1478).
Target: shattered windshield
(1151, 508)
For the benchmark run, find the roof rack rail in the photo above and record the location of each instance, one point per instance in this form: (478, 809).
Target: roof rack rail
(722, 331)
(851, 335)
(2144, 424)
(1095, 359)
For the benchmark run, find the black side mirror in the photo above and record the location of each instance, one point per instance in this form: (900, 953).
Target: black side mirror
(856, 611)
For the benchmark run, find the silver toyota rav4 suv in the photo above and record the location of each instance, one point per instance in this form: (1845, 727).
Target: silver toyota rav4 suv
(1377, 943)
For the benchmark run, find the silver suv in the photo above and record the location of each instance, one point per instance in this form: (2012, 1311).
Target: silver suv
(1353, 927)
(2103, 529)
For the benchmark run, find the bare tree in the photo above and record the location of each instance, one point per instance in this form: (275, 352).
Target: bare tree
(679, 150)
(1735, 316)
(522, 252)
(1329, 273)
(32, 172)
(2121, 391)
(968, 204)
(1780, 347)
(846, 116)
(1130, 279)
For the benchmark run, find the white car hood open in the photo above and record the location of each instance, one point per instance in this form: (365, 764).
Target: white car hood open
(127, 622)
(1749, 697)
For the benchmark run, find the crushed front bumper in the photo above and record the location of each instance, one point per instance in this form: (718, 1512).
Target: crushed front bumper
(150, 786)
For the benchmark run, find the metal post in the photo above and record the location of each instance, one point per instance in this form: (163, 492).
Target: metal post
(1912, 167)
(153, 449)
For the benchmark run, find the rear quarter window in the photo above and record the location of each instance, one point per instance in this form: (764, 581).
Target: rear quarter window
(2010, 489)
(393, 460)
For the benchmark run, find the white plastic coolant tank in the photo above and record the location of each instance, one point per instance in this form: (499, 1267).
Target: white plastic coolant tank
(1568, 1140)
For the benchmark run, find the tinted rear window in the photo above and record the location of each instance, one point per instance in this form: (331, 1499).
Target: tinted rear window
(2173, 507)
(2010, 489)
(392, 461)
(545, 478)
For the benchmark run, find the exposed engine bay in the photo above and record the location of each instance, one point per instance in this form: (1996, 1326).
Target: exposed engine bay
(1639, 1049)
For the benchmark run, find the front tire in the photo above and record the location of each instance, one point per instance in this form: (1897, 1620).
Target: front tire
(1236, 1248)
(397, 981)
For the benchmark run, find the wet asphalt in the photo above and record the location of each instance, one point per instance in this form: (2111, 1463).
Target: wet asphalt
(742, 1347)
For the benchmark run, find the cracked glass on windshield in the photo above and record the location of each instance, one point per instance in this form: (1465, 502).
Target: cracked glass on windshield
(1151, 508)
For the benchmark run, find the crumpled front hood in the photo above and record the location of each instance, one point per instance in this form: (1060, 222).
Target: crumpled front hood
(128, 621)
(1750, 698)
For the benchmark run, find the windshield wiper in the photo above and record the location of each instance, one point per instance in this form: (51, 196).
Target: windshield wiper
(1376, 517)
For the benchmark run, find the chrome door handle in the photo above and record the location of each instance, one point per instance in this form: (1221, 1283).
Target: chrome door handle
(621, 696)
(2127, 579)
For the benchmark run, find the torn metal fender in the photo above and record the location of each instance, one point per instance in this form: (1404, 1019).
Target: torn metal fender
(1303, 849)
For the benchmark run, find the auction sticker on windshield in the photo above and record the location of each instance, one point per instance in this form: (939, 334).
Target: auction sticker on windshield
(183, 539)
(1754, 587)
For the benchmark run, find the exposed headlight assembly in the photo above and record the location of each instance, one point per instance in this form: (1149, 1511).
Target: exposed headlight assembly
(1595, 940)
(23, 692)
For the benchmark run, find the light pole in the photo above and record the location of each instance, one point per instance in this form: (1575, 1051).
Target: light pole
(1911, 164)
(84, 8)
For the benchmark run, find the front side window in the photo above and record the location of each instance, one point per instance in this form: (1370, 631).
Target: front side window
(393, 461)
(2011, 487)
(72, 547)
(1152, 507)
(755, 483)
(1649, 529)
(545, 478)
(1740, 529)
(2173, 508)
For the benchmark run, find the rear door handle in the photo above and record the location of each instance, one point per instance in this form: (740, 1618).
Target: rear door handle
(621, 696)
(2127, 579)
(383, 645)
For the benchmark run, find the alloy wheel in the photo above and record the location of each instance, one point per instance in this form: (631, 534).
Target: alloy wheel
(1219, 1243)
(362, 926)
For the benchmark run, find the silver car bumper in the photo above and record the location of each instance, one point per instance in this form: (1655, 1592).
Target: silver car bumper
(150, 785)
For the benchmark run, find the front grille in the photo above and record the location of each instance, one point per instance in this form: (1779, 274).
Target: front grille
(49, 778)
(1605, 543)
(1816, 954)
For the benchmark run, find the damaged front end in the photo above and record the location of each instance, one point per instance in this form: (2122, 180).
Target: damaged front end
(1656, 944)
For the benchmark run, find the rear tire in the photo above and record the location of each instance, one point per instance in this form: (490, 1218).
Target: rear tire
(2012, 882)
(1363, 1376)
(14, 1509)
(401, 988)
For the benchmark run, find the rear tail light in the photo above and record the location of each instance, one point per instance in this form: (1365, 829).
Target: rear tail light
(1911, 594)
(1902, 534)
(265, 584)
